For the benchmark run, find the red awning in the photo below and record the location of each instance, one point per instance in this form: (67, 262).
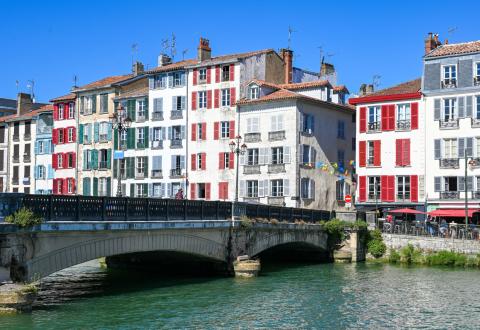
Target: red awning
(406, 211)
(454, 213)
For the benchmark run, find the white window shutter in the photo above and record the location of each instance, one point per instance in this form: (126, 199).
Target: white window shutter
(267, 155)
(313, 157)
(260, 188)
(169, 190)
(300, 154)
(242, 159)
(286, 187)
(162, 189)
(266, 188)
(150, 190)
(280, 123)
(300, 121)
(286, 155)
(261, 156)
(249, 125)
(242, 188)
(256, 125)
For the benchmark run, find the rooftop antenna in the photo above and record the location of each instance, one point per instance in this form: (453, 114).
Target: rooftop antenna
(173, 49)
(290, 31)
(16, 84)
(75, 79)
(165, 45)
(451, 31)
(134, 52)
(320, 48)
(376, 80)
(31, 86)
(183, 54)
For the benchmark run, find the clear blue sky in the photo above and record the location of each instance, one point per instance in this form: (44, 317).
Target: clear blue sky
(51, 41)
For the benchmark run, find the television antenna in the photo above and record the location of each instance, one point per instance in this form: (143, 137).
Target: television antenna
(16, 84)
(290, 32)
(376, 80)
(134, 52)
(31, 86)
(451, 31)
(75, 79)
(183, 54)
(165, 46)
(173, 49)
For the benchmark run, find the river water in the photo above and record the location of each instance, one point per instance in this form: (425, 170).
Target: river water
(287, 296)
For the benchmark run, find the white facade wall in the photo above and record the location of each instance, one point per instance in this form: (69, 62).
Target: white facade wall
(4, 152)
(25, 177)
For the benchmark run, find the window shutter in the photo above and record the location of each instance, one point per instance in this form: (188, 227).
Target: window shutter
(437, 148)
(80, 133)
(286, 187)
(194, 132)
(385, 118)
(233, 97)
(220, 190)
(74, 133)
(145, 136)
(94, 103)
(109, 186)
(436, 109)
(50, 172)
(461, 107)
(286, 155)
(194, 100)
(55, 136)
(215, 130)
(391, 117)
(95, 132)
(231, 132)
(195, 76)
(362, 189)
(217, 73)
(35, 148)
(362, 146)
(363, 119)
(65, 111)
(55, 112)
(232, 72)
(469, 148)
(209, 74)
(192, 190)
(132, 189)
(193, 162)
(383, 188)
(377, 153)
(414, 188)
(266, 188)
(221, 164)
(109, 158)
(231, 161)
(391, 188)
(469, 106)
(461, 147)
(470, 183)
(74, 160)
(414, 114)
(54, 161)
(204, 131)
(242, 160)
(204, 161)
(207, 190)
(95, 186)
(398, 152)
(151, 83)
(406, 152)
(461, 183)
(437, 180)
(209, 99)
(216, 98)
(260, 188)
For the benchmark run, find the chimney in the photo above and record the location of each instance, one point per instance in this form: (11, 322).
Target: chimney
(431, 42)
(164, 60)
(365, 89)
(137, 68)
(24, 103)
(327, 69)
(204, 52)
(287, 56)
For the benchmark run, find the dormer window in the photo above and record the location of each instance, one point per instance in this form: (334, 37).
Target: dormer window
(449, 76)
(476, 78)
(254, 92)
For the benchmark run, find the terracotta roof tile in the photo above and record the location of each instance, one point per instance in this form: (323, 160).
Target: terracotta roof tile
(341, 88)
(262, 83)
(105, 82)
(454, 49)
(316, 83)
(408, 87)
(226, 58)
(68, 97)
(139, 92)
(173, 66)
(15, 117)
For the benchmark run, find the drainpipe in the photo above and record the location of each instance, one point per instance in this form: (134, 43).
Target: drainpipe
(187, 102)
(7, 186)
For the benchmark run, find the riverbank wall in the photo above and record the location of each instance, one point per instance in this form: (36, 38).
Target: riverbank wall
(434, 244)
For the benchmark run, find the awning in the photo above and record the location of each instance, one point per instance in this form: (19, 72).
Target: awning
(405, 211)
(454, 213)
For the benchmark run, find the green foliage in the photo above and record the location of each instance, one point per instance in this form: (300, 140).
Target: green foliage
(245, 222)
(23, 218)
(375, 245)
(412, 256)
(447, 258)
(30, 288)
(336, 231)
(394, 257)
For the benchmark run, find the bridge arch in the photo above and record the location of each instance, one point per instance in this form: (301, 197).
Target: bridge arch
(56, 260)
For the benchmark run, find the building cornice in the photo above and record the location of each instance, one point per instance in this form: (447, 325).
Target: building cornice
(384, 98)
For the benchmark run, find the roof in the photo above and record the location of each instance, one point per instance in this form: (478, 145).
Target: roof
(263, 83)
(231, 57)
(341, 88)
(172, 66)
(455, 49)
(406, 90)
(139, 92)
(68, 97)
(105, 82)
(44, 108)
(304, 85)
(8, 104)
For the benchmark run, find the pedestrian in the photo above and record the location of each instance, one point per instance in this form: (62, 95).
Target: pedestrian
(179, 194)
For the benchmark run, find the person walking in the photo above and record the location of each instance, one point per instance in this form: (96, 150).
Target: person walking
(179, 194)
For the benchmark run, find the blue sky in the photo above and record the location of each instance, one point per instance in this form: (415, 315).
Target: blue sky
(51, 41)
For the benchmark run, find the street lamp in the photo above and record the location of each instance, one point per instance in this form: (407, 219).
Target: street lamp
(238, 150)
(470, 163)
(121, 122)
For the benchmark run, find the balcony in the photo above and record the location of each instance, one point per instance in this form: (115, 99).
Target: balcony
(157, 174)
(449, 83)
(16, 138)
(449, 195)
(251, 169)
(277, 201)
(44, 130)
(307, 132)
(176, 173)
(307, 165)
(26, 158)
(140, 173)
(176, 144)
(16, 158)
(157, 115)
(475, 194)
(102, 165)
(141, 144)
(253, 137)
(476, 81)
(276, 168)
(403, 198)
(27, 137)
(15, 180)
(374, 127)
(449, 124)
(251, 199)
(157, 144)
(449, 163)
(176, 114)
(475, 122)
(276, 136)
(140, 118)
(403, 125)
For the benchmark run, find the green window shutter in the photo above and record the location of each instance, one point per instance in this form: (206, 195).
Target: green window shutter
(132, 189)
(131, 138)
(95, 186)
(146, 136)
(94, 103)
(115, 168)
(86, 186)
(80, 134)
(145, 188)
(109, 186)
(131, 109)
(130, 167)
(146, 166)
(95, 159)
(85, 166)
(96, 128)
(115, 140)
(146, 108)
(109, 158)
(109, 132)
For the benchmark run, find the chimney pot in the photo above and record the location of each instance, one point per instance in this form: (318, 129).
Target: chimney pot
(164, 60)
(24, 103)
(137, 68)
(204, 52)
(287, 56)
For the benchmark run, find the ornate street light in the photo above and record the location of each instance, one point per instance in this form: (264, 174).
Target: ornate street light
(121, 122)
(468, 163)
(238, 149)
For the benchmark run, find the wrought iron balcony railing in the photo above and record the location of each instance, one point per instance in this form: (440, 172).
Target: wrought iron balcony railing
(276, 136)
(253, 137)
(449, 163)
(403, 125)
(449, 124)
(449, 195)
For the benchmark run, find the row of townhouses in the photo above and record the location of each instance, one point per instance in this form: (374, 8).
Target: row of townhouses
(419, 142)
(293, 127)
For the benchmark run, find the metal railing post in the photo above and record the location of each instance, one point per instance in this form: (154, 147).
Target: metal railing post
(202, 205)
(126, 208)
(185, 212)
(77, 211)
(50, 207)
(148, 209)
(104, 208)
(168, 209)
(217, 209)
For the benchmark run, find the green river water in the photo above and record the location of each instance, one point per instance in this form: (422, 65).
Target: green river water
(285, 296)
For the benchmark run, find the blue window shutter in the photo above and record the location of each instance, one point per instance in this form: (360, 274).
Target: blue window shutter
(36, 172)
(36, 147)
(109, 132)
(96, 131)
(50, 171)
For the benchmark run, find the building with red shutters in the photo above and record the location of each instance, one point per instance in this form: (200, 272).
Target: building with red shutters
(390, 161)
(64, 139)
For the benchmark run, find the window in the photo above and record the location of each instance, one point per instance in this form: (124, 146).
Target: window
(449, 109)
(70, 134)
(103, 103)
(477, 72)
(308, 188)
(225, 129)
(252, 188)
(277, 155)
(252, 156)
(103, 159)
(141, 190)
(141, 109)
(308, 155)
(403, 116)
(341, 189)
(201, 191)
(160, 81)
(374, 118)
(202, 74)
(226, 160)
(200, 161)
(70, 157)
(123, 138)
(140, 137)
(200, 131)
(226, 97)
(253, 125)
(276, 188)
(61, 136)
(478, 107)
(308, 124)
(277, 123)
(254, 92)
(157, 190)
(403, 187)
(88, 105)
(373, 187)
(69, 186)
(450, 183)
(177, 79)
(341, 158)
(41, 147)
(60, 160)
(41, 172)
(88, 159)
(178, 103)
(177, 132)
(103, 131)
(71, 110)
(140, 168)
(341, 130)
(202, 100)
(449, 75)
(157, 134)
(60, 111)
(225, 73)
(86, 133)
(371, 153)
(450, 148)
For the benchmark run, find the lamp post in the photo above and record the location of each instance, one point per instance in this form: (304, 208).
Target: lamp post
(238, 149)
(121, 122)
(472, 163)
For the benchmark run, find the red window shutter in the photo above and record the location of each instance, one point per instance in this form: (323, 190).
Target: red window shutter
(217, 73)
(54, 136)
(204, 131)
(232, 72)
(74, 161)
(65, 186)
(384, 188)
(221, 164)
(194, 100)
(231, 132)
(231, 161)
(377, 149)
(398, 152)
(215, 130)
(362, 153)
(232, 96)
(363, 119)
(209, 75)
(207, 191)
(54, 161)
(55, 112)
(65, 110)
(194, 162)
(406, 152)
(220, 190)
(385, 116)
(414, 114)
(65, 135)
(65, 160)
(209, 99)
(74, 134)
(391, 117)
(362, 189)
(391, 188)
(194, 132)
(192, 190)
(414, 188)
(223, 190)
(216, 98)
(195, 76)
(54, 186)
(204, 161)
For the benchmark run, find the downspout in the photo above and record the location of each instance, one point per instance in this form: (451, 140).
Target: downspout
(187, 102)
(7, 188)
(297, 155)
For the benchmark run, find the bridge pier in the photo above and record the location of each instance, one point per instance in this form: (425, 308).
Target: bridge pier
(16, 298)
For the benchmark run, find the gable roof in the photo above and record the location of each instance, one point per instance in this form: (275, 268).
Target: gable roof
(341, 88)
(172, 66)
(139, 92)
(304, 85)
(103, 83)
(263, 83)
(455, 49)
(231, 57)
(406, 90)
(44, 108)
(68, 97)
